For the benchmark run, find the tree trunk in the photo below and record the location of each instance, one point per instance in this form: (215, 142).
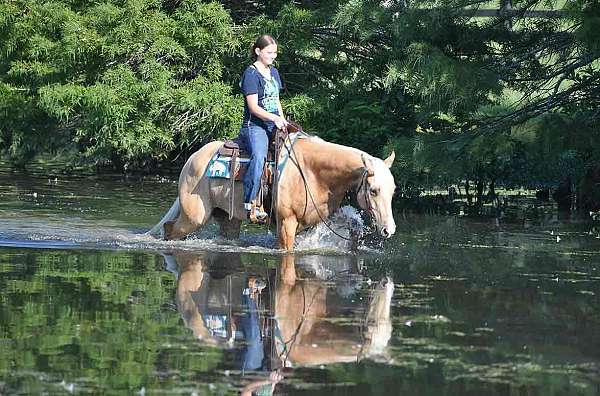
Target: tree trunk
(588, 199)
(480, 187)
(563, 195)
(468, 193)
(492, 194)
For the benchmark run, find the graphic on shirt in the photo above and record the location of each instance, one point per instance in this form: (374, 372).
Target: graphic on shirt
(267, 90)
(217, 324)
(271, 95)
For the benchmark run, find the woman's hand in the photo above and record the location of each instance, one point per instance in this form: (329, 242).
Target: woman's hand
(280, 122)
(275, 377)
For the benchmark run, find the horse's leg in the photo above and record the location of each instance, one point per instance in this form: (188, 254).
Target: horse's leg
(287, 233)
(288, 270)
(194, 213)
(229, 229)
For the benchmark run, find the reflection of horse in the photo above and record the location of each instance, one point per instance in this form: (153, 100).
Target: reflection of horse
(309, 190)
(210, 300)
(307, 335)
(203, 298)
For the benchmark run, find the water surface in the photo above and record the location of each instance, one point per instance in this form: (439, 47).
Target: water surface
(88, 304)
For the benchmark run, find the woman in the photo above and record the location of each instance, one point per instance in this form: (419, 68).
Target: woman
(260, 86)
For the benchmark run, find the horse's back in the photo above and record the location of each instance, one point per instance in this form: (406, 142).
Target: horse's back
(195, 166)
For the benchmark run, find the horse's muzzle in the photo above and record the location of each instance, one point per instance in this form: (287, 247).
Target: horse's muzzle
(384, 232)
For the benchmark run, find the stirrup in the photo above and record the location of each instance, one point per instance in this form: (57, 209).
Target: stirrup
(257, 215)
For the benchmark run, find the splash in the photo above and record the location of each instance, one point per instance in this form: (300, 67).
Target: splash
(61, 232)
(346, 222)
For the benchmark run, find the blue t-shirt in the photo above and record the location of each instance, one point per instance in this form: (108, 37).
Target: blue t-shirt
(253, 82)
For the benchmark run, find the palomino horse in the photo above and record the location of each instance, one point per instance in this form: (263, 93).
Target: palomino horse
(311, 187)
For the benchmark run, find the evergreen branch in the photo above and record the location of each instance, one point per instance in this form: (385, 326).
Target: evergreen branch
(550, 103)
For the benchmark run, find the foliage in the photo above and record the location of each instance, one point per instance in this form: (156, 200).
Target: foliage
(97, 320)
(458, 94)
(120, 82)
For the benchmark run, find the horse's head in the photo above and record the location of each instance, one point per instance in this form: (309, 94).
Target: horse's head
(375, 191)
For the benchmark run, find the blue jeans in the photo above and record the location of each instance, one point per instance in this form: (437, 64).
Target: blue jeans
(252, 354)
(256, 140)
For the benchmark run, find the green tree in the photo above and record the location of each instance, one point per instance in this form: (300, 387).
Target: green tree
(460, 92)
(118, 82)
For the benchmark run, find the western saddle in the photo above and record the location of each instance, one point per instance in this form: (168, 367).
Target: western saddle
(268, 182)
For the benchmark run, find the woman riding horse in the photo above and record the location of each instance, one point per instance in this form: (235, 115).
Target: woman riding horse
(260, 85)
(310, 187)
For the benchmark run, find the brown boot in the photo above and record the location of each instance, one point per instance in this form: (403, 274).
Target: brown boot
(257, 214)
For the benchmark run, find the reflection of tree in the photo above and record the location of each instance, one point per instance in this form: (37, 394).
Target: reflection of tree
(479, 305)
(94, 317)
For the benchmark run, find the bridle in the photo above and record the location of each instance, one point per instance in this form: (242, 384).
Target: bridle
(364, 185)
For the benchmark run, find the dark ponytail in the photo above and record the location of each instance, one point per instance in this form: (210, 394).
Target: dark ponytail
(261, 42)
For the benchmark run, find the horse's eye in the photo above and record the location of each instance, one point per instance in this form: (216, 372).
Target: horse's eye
(374, 191)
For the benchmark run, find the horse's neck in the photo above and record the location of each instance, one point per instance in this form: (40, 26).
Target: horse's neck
(335, 164)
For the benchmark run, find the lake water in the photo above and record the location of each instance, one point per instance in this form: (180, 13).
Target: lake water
(452, 306)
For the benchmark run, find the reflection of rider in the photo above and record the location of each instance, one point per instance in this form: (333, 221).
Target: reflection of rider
(252, 353)
(220, 303)
(264, 386)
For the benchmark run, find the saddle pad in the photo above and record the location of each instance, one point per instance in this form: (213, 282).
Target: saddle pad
(219, 165)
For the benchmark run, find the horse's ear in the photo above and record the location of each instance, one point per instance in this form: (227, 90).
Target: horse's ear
(368, 163)
(390, 160)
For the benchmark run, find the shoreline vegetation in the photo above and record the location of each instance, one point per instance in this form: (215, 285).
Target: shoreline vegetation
(509, 205)
(480, 101)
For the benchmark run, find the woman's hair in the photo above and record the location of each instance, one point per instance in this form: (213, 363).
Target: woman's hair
(261, 42)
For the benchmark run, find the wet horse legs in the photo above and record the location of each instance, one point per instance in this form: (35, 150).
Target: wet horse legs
(287, 233)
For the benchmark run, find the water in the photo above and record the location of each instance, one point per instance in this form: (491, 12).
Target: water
(89, 305)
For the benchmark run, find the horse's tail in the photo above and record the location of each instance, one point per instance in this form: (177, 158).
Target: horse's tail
(172, 213)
